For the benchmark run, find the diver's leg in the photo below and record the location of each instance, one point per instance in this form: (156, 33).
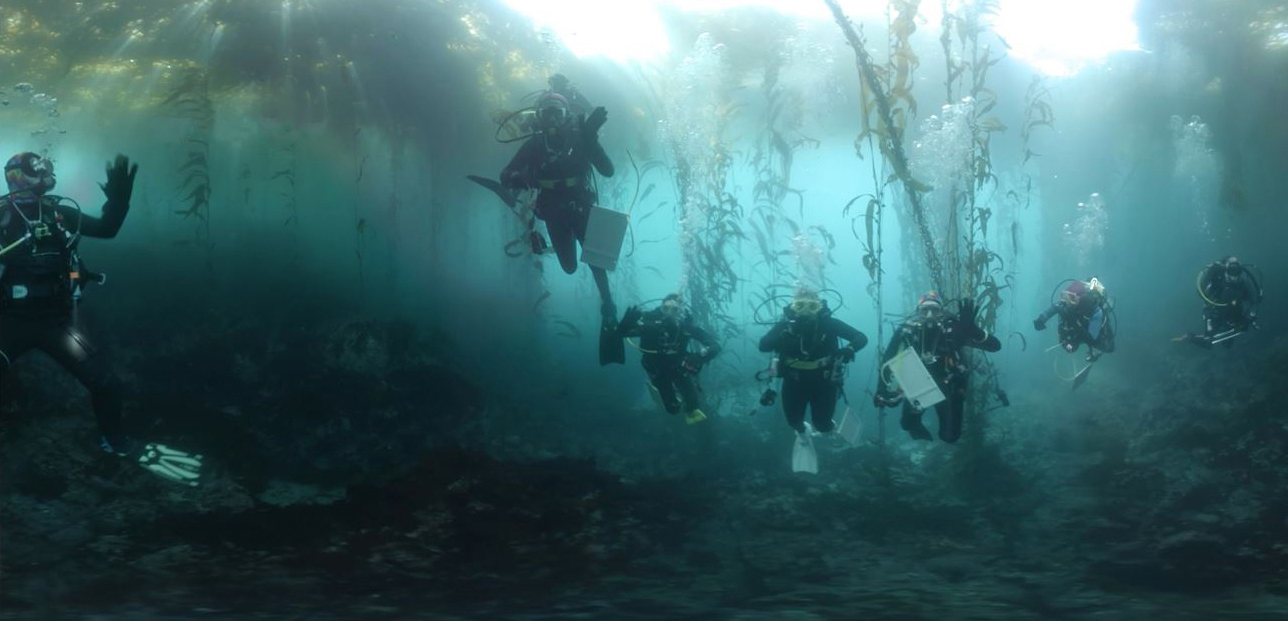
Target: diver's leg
(822, 404)
(68, 346)
(911, 422)
(16, 339)
(664, 380)
(950, 417)
(564, 243)
(687, 386)
(794, 403)
(601, 283)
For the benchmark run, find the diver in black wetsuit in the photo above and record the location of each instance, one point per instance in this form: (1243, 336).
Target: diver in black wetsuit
(938, 338)
(664, 335)
(41, 281)
(558, 162)
(1230, 294)
(1085, 318)
(41, 278)
(810, 356)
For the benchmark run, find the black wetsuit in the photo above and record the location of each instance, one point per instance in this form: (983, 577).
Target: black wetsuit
(559, 164)
(1084, 322)
(1231, 302)
(40, 283)
(939, 342)
(807, 355)
(671, 369)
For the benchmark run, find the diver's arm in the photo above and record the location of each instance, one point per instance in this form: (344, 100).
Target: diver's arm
(884, 390)
(516, 174)
(599, 158)
(990, 343)
(772, 341)
(856, 339)
(89, 226)
(708, 341)
(1040, 322)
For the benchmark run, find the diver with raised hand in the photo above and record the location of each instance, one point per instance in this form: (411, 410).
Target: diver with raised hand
(42, 279)
(559, 162)
(665, 334)
(931, 341)
(1085, 318)
(806, 342)
(1230, 295)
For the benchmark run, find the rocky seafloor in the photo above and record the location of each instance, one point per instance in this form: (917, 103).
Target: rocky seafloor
(353, 475)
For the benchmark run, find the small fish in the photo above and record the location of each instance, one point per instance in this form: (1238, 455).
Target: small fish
(361, 166)
(536, 306)
(572, 332)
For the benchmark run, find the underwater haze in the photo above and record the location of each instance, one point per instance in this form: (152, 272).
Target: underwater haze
(365, 345)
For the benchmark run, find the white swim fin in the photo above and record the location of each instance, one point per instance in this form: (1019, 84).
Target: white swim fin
(804, 457)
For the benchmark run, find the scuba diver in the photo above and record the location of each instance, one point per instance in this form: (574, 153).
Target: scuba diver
(810, 360)
(42, 279)
(559, 161)
(925, 355)
(1085, 318)
(664, 334)
(1230, 293)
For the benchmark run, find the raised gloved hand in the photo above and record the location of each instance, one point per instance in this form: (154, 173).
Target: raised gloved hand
(1039, 324)
(595, 121)
(120, 181)
(630, 318)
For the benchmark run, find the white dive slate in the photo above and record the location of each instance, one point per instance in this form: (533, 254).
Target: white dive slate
(851, 427)
(604, 235)
(918, 387)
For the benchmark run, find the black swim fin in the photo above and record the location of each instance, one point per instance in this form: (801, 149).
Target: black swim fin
(506, 194)
(612, 347)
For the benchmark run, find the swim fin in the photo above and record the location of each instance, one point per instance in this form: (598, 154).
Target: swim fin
(501, 191)
(695, 417)
(1081, 376)
(612, 349)
(804, 457)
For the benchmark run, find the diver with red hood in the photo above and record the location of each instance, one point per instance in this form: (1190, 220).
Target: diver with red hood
(559, 161)
(42, 279)
(1086, 318)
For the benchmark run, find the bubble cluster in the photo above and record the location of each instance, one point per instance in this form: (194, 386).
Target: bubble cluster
(941, 155)
(1197, 169)
(42, 102)
(691, 127)
(1086, 234)
(809, 260)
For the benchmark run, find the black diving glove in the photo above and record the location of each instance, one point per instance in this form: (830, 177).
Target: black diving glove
(693, 363)
(885, 399)
(1039, 324)
(846, 354)
(630, 318)
(120, 181)
(593, 122)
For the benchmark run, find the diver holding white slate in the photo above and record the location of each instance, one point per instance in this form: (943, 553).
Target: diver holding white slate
(923, 366)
